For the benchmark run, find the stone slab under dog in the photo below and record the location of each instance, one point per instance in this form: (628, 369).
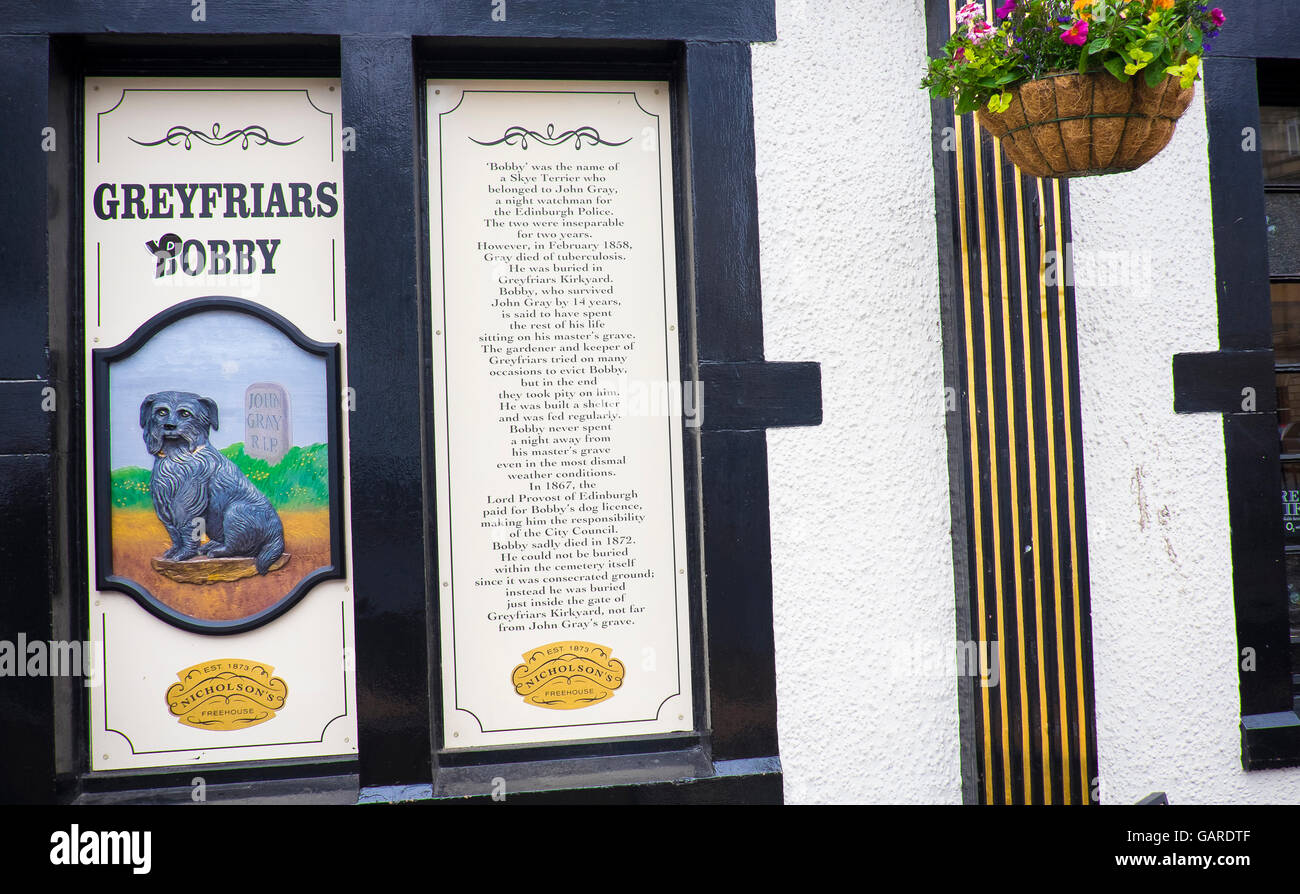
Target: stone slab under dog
(211, 571)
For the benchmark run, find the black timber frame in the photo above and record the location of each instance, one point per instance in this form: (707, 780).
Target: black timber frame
(1216, 381)
(380, 51)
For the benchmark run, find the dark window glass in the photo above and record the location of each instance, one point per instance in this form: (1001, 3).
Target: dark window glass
(1283, 210)
(1293, 590)
(1280, 143)
(1279, 146)
(1288, 411)
(1286, 322)
(1291, 502)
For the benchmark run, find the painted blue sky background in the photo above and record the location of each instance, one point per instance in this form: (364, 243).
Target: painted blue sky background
(215, 354)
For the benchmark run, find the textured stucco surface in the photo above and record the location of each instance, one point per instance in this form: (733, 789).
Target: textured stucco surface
(862, 557)
(862, 563)
(1164, 641)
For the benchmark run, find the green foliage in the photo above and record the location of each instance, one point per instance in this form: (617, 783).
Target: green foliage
(130, 488)
(1031, 39)
(298, 481)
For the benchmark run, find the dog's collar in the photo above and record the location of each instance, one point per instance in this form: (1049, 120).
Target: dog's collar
(163, 454)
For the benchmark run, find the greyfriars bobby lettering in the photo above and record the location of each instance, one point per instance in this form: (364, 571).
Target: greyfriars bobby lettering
(192, 481)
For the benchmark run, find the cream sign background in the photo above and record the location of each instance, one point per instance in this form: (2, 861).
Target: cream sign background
(196, 138)
(560, 494)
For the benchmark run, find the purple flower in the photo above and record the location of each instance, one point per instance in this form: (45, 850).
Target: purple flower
(1006, 9)
(1217, 16)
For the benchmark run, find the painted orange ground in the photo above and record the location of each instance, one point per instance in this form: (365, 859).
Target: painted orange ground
(138, 536)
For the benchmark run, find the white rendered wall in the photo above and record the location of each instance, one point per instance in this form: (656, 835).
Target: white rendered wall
(1164, 640)
(860, 518)
(861, 549)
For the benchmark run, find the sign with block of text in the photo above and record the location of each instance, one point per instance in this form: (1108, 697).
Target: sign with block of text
(558, 412)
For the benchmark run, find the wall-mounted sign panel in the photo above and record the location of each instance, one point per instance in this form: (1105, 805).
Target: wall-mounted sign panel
(216, 431)
(558, 423)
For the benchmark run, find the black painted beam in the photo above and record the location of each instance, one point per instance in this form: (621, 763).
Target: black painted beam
(1258, 571)
(1230, 382)
(723, 262)
(383, 254)
(722, 192)
(740, 20)
(1259, 29)
(24, 112)
(738, 582)
(26, 703)
(1271, 740)
(756, 395)
(1251, 445)
(26, 471)
(1237, 186)
(27, 410)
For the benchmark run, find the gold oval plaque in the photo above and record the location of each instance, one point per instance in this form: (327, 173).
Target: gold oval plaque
(226, 694)
(568, 675)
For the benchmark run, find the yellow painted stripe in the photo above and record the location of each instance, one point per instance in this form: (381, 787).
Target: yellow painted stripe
(1045, 243)
(993, 467)
(1084, 776)
(1044, 737)
(1055, 541)
(972, 411)
(1013, 464)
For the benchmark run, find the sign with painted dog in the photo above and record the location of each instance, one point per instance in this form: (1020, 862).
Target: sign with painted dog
(204, 531)
(216, 430)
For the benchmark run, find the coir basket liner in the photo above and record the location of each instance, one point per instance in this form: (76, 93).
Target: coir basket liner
(1079, 125)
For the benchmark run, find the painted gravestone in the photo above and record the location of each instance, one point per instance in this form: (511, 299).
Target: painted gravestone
(268, 432)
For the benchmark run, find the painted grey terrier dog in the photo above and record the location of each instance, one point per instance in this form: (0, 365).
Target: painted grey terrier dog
(192, 480)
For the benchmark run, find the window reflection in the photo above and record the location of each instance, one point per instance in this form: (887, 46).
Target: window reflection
(1286, 322)
(1280, 143)
(1283, 214)
(1288, 411)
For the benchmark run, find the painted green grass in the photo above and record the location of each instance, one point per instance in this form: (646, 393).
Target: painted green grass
(299, 481)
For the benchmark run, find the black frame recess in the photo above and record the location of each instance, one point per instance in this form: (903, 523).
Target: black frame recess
(467, 771)
(1217, 381)
(381, 51)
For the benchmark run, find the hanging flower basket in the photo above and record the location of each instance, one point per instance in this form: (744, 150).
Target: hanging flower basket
(1076, 88)
(1082, 125)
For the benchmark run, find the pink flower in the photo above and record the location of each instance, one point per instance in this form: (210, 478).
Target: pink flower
(1077, 35)
(1217, 16)
(1006, 9)
(969, 12)
(980, 32)
(960, 55)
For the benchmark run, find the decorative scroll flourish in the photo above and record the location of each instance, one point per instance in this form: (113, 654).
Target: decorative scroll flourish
(181, 135)
(519, 136)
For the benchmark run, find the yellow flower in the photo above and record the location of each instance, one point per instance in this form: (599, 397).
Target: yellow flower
(1186, 72)
(1141, 59)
